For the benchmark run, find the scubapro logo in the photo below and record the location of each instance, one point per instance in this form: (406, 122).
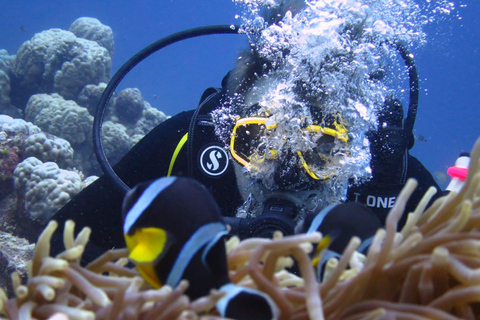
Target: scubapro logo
(214, 160)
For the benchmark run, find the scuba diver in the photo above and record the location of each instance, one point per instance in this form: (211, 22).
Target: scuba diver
(189, 145)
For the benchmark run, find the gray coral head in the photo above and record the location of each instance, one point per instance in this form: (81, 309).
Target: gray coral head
(56, 60)
(92, 29)
(129, 105)
(47, 187)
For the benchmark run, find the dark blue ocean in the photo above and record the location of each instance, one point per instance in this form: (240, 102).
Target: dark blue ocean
(173, 80)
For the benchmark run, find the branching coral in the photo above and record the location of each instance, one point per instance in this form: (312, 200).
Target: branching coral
(427, 270)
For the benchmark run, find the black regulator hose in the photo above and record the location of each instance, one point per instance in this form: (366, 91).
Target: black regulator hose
(122, 72)
(414, 92)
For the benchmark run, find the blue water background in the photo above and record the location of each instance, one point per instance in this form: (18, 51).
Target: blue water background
(174, 79)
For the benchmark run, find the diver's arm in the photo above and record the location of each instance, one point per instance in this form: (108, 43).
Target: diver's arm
(425, 180)
(99, 205)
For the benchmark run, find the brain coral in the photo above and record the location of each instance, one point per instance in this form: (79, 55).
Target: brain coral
(47, 147)
(6, 65)
(13, 132)
(129, 105)
(47, 186)
(150, 119)
(90, 63)
(4, 90)
(116, 141)
(93, 29)
(57, 61)
(63, 118)
(90, 96)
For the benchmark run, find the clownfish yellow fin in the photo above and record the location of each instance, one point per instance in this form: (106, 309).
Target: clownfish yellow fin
(146, 244)
(322, 245)
(148, 273)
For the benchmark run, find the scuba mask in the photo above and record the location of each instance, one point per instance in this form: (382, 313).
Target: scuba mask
(249, 144)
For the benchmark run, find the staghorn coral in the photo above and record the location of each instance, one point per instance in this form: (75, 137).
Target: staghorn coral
(427, 270)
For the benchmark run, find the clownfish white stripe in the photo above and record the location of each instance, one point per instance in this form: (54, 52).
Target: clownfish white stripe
(317, 221)
(201, 237)
(231, 290)
(145, 200)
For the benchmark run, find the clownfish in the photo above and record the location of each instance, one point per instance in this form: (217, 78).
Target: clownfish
(174, 230)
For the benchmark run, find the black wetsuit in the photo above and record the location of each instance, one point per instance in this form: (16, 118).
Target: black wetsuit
(99, 206)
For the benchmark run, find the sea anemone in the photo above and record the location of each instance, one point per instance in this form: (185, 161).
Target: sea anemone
(427, 270)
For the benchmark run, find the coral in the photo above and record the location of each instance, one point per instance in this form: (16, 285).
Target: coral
(47, 147)
(37, 61)
(92, 29)
(88, 180)
(57, 61)
(47, 187)
(5, 68)
(6, 61)
(90, 96)
(4, 90)
(63, 118)
(150, 119)
(427, 270)
(91, 63)
(129, 105)
(116, 141)
(24, 171)
(9, 158)
(14, 254)
(13, 132)
(67, 120)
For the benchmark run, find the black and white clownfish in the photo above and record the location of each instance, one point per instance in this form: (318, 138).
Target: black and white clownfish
(174, 230)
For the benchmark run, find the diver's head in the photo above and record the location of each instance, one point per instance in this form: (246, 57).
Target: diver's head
(284, 147)
(303, 104)
(284, 140)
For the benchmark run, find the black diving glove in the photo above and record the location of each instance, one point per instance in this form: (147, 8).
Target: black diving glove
(389, 145)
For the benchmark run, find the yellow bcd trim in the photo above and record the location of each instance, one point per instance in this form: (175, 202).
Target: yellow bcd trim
(176, 152)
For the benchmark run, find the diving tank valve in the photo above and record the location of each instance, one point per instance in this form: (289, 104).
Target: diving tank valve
(458, 172)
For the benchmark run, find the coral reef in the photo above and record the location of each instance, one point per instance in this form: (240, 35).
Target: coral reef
(90, 95)
(14, 254)
(57, 61)
(55, 82)
(13, 133)
(129, 105)
(93, 29)
(47, 187)
(63, 118)
(47, 147)
(427, 270)
(6, 64)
